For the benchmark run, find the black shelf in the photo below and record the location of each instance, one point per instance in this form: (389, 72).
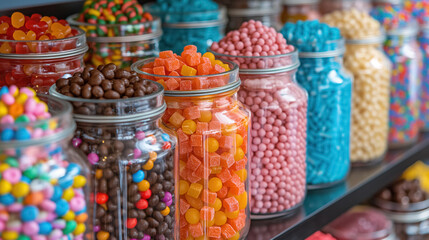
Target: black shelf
(323, 206)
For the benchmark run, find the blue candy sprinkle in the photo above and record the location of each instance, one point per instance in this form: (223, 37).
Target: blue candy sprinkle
(22, 134)
(7, 134)
(138, 176)
(7, 199)
(29, 213)
(62, 207)
(58, 192)
(165, 137)
(45, 228)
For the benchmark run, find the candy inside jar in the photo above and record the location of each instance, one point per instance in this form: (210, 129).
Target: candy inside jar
(132, 159)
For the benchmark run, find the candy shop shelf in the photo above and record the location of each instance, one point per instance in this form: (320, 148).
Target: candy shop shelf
(323, 206)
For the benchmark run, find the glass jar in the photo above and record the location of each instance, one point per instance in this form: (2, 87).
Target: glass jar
(132, 165)
(212, 128)
(121, 44)
(424, 98)
(390, 3)
(38, 64)
(362, 223)
(50, 189)
(240, 11)
(411, 221)
(328, 6)
(371, 72)
(329, 87)
(403, 51)
(184, 28)
(279, 127)
(294, 10)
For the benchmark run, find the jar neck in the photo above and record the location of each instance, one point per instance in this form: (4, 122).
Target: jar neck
(398, 40)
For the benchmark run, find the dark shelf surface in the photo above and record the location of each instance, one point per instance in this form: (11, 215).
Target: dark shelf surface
(322, 206)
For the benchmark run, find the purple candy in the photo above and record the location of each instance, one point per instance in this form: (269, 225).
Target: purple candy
(146, 237)
(96, 228)
(169, 202)
(167, 197)
(76, 142)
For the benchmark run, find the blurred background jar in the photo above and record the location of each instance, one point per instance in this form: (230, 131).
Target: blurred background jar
(294, 10)
(239, 11)
(328, 6)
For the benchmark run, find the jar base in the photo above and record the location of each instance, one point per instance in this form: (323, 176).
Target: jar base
(403, 144)
(287, 213)
(369, 163)
(326, 185)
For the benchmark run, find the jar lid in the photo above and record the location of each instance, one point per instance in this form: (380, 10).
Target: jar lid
(337, 47)
(281, 63)
(60, 117)
(127, 110)
(252, 12)
(413, 212)
(395, 2)
(191, 25)
(231, 76)
(77, 46)
(300, 2)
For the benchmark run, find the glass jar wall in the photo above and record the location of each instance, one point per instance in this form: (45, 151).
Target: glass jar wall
(329, 87)
(212, 128)
(371, 72)
(424, 98)
(45, 182)
(403, 51)
(294, 10)
(121, 44)
(132, 165)
(279, 127)
(38, 64)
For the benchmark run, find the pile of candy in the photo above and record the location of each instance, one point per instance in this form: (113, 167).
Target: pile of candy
(24, 28)
(312, 36)
(180, 69)
(102, 12)
(253, 39)
(182, 11)
(371, 71)
(419, 9)
(330, 163)
(41, 192)
(391, 16)
(404, 192)
(20, 107)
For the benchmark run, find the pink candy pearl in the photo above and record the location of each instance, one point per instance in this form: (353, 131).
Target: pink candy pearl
(137, 153)
(77, 204)
(13, 175)
(140, 135)
(93, 158)
(8, 99)
(48, 205)
(30, 228)
(7, 119)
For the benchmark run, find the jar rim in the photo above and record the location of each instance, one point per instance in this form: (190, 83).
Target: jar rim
(81, 35)
(233, 70)
(293, 55)
(410, 30)
(396, 207)
(64, 111)
(160, 90)
(389, 1)
(249, 12)
(299, 2)
(151, 7)
(338, 51)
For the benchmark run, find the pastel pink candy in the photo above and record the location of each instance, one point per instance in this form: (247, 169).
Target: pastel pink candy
(2, 226)
(8, 99)
(15, 207)
(56, 234)
(30, 228)
(277, 170)
(77, 204)
(13, 175)
(48, 205)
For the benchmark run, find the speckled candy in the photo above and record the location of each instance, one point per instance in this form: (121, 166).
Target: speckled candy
(329, 88)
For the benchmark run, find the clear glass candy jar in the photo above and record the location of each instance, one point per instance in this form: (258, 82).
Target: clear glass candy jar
(328, 6)
(294, 10)
(132, 165)
(121, 44)
(45, 183)
(371, 71)
(329, 88)
(212, 128)
(38, 64)
(279, 130)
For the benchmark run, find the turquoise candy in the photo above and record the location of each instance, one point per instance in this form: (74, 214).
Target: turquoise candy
(329, 89)
(179, 18)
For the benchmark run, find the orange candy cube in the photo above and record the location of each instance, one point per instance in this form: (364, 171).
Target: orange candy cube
(224, 175)
(227, 231)
(193, 163)
(159, 62)
(196, 230)
(171, 64)
(204, 68)
(192, 112)
(214, 232)
(208, 197)
(160, 70)
(192, 48)
(176, 119)
(202, 128)
(214, 160)
(207, 213)
(172, 84)
(226, 160)
(222, 192)
(196, 140)
(230, 204)
(184, 206)
(203, 172)
(238, 223)
(185, 85)
(200, 83)
(183, 137)
(166, 54)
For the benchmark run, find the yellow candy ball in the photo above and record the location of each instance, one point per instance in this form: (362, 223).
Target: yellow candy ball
(236, 236)
(166, 211)
(69, 216)
(206, 116)
(5, 187)
(242, 200)
(20, 189)
(148, 166)
(3, 109)
(9, 235)
(22, 98)
(189, 127)
(215, 184)
(204, 237)
(217, 205)
(232, 215)
(80, 228)
(183, 187)
(211, 145)
(68, 194)
(238, 140)
(192, 216)
(220, 218)
(242, 174)
(4, 166)
(239, 154)
(143, 185)
(79, 181)
(153, 156)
